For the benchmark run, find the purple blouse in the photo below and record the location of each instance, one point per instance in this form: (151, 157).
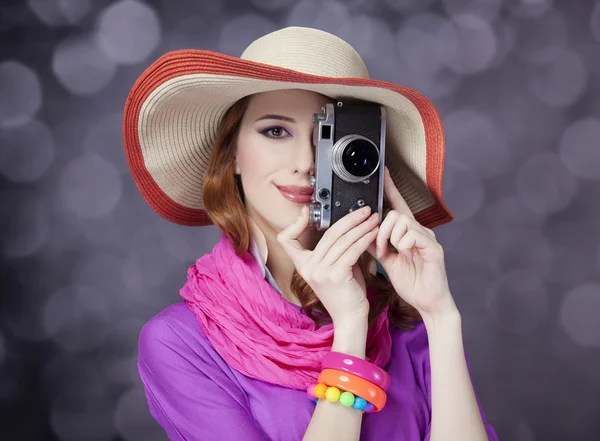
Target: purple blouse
(195, 395)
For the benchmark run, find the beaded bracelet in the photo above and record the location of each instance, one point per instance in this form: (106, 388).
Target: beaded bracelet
(333, 394)
(356, 385)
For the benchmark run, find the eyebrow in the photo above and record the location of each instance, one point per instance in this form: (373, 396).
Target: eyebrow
(280, 117)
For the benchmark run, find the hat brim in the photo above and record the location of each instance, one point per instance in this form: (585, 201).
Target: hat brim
(173, 110)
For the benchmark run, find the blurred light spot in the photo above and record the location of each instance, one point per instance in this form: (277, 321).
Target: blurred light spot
(90, 186)
(236, 34)
(128, 31)
(541, 39)
(464, 192)
(81, 67)
(579, 314)
(471, 44)
(595, 22)
(24, 225)
(271, 5)
(529, 8)
(580, 148)
(60, 12)
(561, 81)
(185, 244)
(105, 139)
(26, 152)
(517, 301)
(476, 142)
(509, 211)
(78, 317)
(544, 184)
(20, 94)
(76, 416)
(488, 9)
(506, 35)
(423, 34)
(408, 6)
(327, 16)
(132, 419)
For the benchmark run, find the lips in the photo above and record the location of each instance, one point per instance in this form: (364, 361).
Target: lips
(301, 195)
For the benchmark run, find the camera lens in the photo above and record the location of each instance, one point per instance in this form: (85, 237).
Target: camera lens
(354, 158)
(360, 158)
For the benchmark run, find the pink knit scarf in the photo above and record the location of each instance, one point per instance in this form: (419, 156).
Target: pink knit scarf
(255, 329)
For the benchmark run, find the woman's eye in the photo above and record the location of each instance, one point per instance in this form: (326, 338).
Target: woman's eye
(274, 132)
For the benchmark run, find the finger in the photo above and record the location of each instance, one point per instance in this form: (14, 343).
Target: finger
(427, 248)
(342, 245)
(385, 232)
(411, 224)
(393, 195)
(288, 238)
(341, 227)
(351, 256)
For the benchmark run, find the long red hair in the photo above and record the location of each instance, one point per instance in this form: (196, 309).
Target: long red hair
(224, 201)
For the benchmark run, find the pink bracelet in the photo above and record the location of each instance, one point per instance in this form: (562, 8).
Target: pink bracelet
(357, 366)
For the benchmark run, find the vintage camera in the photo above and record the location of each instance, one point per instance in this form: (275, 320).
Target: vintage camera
(349, 137)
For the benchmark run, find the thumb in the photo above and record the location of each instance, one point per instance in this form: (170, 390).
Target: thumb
(288, 238)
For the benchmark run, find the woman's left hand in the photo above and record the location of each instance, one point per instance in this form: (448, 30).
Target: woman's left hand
(417, 271)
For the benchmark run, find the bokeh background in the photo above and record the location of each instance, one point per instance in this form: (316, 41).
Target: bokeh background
(85, 262)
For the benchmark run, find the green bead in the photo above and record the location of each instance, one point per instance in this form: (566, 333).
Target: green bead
(347, 399)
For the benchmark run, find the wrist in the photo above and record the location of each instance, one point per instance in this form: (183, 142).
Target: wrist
(350, 337)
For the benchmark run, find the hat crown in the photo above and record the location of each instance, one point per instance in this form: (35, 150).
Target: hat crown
(309, 51)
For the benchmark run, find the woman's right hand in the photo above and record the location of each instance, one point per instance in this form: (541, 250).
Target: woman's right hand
(331, 269)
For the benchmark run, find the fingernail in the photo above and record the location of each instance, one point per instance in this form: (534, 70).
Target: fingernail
(365, 210)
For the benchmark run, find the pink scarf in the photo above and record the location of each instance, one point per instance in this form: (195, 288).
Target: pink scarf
(255, 329)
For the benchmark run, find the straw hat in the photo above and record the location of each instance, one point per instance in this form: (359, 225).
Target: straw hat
(173, 110)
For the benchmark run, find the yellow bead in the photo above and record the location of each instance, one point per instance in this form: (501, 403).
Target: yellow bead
(320, 390)
(333, 394)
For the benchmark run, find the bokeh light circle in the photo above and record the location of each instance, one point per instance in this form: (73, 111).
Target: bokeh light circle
(90, 186)
(580, 148)
(128, 31)
(20, 94)
(579, 312)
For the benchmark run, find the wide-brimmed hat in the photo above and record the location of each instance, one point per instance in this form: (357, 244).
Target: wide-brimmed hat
(174, 108)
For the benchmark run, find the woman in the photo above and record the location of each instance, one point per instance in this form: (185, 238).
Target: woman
(280, 310)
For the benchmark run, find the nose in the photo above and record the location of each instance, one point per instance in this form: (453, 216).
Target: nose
(305, 158)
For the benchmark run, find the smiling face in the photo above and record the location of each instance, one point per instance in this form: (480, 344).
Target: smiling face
(275, 148)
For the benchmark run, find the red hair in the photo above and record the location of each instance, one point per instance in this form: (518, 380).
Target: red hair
(224, 201)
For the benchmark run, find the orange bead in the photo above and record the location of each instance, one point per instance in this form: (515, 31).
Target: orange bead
(320, 390)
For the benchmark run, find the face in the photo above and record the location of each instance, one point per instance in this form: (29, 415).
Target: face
(275, 148)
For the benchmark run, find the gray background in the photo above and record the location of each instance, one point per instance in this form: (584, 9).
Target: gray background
(85, 262)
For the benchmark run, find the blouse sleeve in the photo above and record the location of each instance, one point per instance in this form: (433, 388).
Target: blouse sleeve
(189, 394)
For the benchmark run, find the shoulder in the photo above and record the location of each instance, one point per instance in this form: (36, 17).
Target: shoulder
(174, 329)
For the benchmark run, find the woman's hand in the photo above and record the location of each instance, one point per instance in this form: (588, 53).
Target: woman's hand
(417, 271)
(331, 269)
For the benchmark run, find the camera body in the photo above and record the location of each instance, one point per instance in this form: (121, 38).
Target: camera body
(349, 137)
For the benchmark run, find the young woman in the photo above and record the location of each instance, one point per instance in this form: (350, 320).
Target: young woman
(286, 332)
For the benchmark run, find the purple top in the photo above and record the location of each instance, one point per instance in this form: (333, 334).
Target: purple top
(195, 395)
